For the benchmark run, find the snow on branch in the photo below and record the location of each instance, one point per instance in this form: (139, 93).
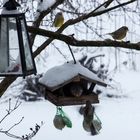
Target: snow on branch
(93, 13)
(43, 13)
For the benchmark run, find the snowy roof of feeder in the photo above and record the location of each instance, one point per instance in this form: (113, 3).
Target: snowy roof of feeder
(59, 76)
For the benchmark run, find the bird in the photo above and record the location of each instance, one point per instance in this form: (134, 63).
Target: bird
(76, 90)
(89, 127)
(88, 113)
(59, 20)
(120, 33)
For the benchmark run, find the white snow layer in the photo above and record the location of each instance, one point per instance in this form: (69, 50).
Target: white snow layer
(120, 117)
(45, 4)
(61, 74)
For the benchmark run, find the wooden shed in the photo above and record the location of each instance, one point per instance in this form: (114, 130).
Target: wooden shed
(70, 84)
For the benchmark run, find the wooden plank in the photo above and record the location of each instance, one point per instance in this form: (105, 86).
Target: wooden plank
(77, 100)
(65, 101)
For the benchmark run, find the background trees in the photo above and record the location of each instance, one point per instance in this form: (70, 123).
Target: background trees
(86, 25)
(87, 21)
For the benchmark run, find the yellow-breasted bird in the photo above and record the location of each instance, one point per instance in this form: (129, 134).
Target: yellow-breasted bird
(120, 33)
(59, 20)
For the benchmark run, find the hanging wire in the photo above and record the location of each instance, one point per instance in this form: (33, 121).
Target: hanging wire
(72, 54)
(64, 56)
(101, 28)
(116, 52)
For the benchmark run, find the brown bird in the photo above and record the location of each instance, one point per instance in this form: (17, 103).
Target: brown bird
(76, 90)
(120, 33)
(89, 127)
(88, 112)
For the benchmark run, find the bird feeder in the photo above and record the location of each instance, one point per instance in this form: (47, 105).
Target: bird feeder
(70, 84)
(16, 58)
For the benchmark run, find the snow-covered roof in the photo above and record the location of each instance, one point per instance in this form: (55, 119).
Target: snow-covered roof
(3, 11)
(60, 75)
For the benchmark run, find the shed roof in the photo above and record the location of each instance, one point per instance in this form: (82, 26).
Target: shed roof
(59, 76)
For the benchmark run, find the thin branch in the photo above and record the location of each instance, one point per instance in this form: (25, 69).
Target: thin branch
(15, 124)
(9, 110)
(70, 22)
(9, 80)
(7, 132)
(26, 136)
(96, 12)
(42, 14)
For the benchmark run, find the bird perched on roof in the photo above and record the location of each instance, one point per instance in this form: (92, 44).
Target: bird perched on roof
(59, 20)
(120, 33)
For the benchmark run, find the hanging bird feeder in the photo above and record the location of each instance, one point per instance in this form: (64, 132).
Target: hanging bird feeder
(16, 58)
(70, 84)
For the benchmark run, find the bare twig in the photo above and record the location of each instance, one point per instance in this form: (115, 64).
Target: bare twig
(70, 22)
(8, 133)
(10, 110)
(15, 124)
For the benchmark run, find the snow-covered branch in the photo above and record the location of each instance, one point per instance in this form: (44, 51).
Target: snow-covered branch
(93, 13)
(42, 14)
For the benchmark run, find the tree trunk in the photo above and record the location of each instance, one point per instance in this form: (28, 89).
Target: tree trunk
(5, 84)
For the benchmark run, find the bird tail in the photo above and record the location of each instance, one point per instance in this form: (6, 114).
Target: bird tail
(93, 130)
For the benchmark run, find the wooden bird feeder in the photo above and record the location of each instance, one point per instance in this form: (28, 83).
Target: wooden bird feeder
(70, 84)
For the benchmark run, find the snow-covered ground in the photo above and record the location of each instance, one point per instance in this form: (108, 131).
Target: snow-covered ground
(120, 116)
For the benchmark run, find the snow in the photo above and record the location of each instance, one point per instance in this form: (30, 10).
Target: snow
(45, 4)
(120, 117)
(58, 75)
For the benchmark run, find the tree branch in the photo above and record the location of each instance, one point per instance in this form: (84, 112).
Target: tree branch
(83, 43)
(9, 80)
(42, 14)
(94, 13)
(70, 22)
(8, 133)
